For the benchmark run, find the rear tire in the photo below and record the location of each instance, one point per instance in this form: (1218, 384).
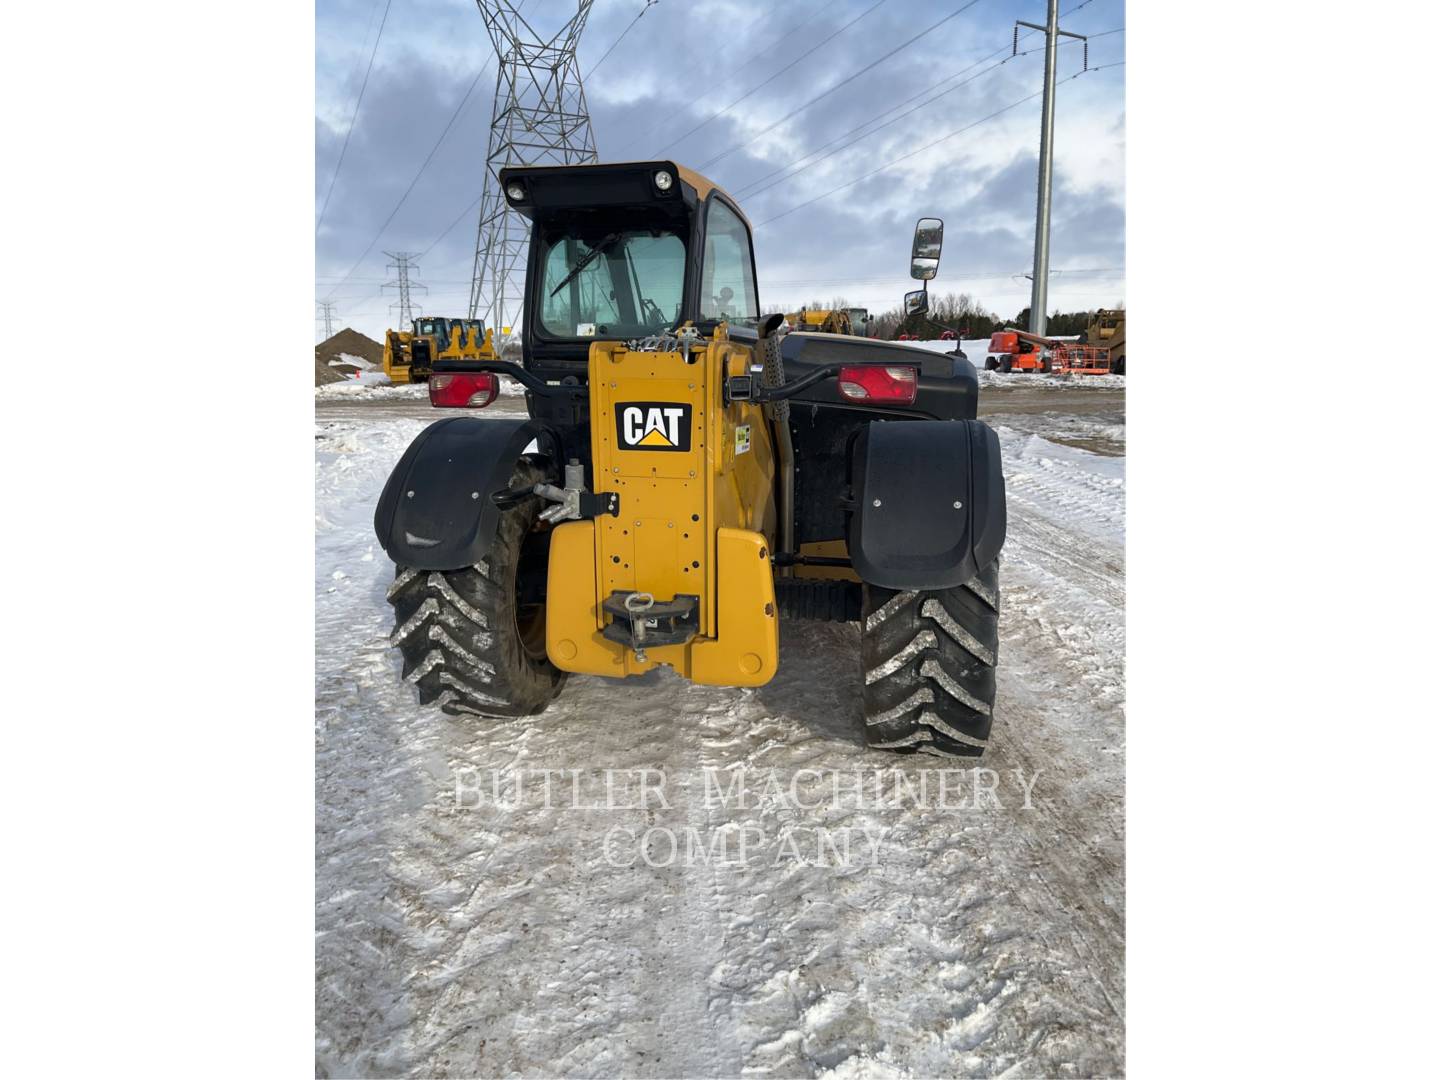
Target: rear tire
(1119, 367)
(473, 639)
(930, 667)
(1044, 366)
(1006, 365)
(991, 363)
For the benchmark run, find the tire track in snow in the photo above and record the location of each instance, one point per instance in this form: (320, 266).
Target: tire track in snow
(466, 942)
(1066, 603)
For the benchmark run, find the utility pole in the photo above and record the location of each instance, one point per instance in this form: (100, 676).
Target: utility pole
(540, 118)
(1041, 277)
(327, 308)
(402, 284)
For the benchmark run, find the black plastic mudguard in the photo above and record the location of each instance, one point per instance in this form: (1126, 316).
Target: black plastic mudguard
(436, 512)
(930, 502)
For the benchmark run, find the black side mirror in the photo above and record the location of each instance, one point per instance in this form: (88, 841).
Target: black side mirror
(917, 302)
(925, 252)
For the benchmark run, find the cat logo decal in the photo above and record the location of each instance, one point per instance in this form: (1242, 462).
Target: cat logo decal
(653, 425)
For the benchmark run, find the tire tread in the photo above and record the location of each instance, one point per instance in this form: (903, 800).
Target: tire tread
(929, 659)
(455, 629)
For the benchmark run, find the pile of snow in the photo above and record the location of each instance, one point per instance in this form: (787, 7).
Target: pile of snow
(359, 363)
(373, 385)
(1049, 382)
(376, 386)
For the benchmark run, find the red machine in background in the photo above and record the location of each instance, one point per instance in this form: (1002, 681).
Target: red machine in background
(1016, 350)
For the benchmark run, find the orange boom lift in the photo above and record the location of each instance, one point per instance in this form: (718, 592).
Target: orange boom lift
(1016, 350)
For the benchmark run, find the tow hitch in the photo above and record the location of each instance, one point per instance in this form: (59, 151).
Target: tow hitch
(638, 620)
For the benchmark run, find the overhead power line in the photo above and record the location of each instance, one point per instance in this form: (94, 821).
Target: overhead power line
(758, 186)
(997, 52)
(755, 186)
(353, 116)
(423, 166)
(920, 150)
(841, 82)
(416, 178)
(774, 75)
(648, 5)
(759, 182)
(868, 67)
(780, 38)
(463, 215)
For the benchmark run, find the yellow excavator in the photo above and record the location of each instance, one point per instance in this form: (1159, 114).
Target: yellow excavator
(410, 355)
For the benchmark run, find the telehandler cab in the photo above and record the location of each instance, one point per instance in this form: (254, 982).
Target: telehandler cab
(687, 476)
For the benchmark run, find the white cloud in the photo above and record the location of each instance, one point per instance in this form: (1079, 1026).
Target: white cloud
(682, 62)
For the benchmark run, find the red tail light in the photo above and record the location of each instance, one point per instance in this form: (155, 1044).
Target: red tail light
(896, 385)
(467, 391)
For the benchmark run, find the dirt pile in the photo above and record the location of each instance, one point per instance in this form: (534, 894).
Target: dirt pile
(324, 373)
(346, 343)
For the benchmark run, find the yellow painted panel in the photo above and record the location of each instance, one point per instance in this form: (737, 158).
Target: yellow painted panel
(695, 522)
(572, 615)
(746, 651)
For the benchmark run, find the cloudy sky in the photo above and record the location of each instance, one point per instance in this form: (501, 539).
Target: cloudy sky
(833, 204)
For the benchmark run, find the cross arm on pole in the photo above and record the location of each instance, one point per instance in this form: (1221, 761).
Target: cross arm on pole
(1042, 29)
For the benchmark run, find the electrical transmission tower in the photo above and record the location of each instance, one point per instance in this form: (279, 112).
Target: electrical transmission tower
(403, 264)
(1041, 276)
(327, 312)
(540, 118)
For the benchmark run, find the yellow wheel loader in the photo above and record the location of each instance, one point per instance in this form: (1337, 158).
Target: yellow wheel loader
(687, 476)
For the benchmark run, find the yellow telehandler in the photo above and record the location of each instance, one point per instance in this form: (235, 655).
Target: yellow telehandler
(687, 476)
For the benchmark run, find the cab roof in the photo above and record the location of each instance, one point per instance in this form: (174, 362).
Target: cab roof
(617, 183)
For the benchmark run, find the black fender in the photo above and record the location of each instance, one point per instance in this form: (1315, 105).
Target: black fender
(929, 502)
(948, 388)
(436, 512)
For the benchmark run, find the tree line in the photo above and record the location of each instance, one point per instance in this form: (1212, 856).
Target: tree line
(959, 312)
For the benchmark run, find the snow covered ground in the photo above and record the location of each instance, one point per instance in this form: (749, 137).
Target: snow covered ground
(353, 388)
(382, 389)
(465, 927)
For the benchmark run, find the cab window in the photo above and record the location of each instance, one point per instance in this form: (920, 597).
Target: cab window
(727, 281)
(624, 284)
